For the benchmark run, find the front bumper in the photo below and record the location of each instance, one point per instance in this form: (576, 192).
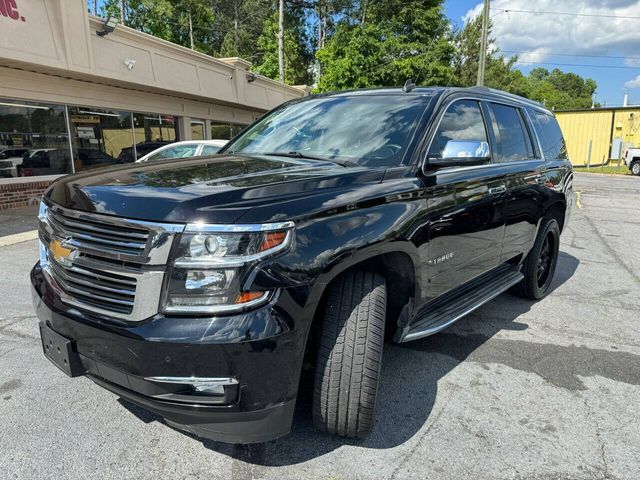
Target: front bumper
(261, 350)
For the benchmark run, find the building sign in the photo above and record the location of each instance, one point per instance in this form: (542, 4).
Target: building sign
(85, 132)
(83, 118)
(9, 9)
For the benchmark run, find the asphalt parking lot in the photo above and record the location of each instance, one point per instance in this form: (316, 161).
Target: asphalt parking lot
(517, 390)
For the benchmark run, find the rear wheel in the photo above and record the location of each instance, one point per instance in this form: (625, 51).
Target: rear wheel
(635, 167)
(350, 355)
(540, 265)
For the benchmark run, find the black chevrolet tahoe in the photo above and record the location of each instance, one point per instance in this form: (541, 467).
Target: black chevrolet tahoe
(199, 288)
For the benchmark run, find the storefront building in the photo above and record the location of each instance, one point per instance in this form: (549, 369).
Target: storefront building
(72, 99)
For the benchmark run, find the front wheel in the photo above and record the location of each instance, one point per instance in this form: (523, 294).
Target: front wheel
(350, 355)
(635, 167)
(540, 265)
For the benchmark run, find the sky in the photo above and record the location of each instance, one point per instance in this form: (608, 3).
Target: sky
(602, 42)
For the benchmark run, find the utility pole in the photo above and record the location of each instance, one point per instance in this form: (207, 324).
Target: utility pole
(483, 44)
(281, 40)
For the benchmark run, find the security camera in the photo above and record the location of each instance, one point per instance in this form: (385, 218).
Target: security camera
(130, 63)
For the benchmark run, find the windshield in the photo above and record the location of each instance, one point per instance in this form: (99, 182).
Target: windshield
(372, 130)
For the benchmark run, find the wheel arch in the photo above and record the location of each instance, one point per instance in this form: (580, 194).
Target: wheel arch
(558, 211)
(397, 264)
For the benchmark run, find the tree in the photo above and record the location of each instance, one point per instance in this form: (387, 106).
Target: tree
(398, 40)
(240, 23)
(297, 57)
(560, 90)
(500, 71)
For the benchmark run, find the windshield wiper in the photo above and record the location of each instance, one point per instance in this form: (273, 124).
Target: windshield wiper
(344, 163)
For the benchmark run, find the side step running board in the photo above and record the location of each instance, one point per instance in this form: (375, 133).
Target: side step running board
(452, 307)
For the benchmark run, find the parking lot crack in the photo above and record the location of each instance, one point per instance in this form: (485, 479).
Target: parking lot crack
(601, 443)
(612, 251)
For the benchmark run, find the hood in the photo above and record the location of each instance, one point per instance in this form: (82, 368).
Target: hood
(217, 189)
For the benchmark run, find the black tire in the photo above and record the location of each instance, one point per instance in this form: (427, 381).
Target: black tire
(540, 264)
(635, 167)
(350, 355)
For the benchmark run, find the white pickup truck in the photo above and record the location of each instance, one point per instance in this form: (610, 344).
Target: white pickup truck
(632, 159)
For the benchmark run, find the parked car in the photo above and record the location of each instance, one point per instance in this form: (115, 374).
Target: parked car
(10, 159)
(632, 159)
(201, 288)
(127, 155)
(44, 161)
(185, 149)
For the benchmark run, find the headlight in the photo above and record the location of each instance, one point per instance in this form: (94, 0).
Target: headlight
(211, 263)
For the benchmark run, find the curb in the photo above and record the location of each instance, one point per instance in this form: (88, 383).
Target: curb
(18, 238)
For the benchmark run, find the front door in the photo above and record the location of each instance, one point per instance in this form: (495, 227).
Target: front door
(466, 224)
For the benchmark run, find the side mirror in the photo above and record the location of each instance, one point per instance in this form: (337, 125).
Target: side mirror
(460, 153)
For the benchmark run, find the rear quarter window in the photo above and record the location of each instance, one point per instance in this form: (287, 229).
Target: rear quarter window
(551, 139)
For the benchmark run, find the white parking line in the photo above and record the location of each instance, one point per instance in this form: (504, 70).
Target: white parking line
(18, 238)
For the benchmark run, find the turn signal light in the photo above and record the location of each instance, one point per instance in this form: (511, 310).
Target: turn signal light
(245, 297)
(272, 239)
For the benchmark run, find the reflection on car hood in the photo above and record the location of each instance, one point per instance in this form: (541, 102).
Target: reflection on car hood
(217, 189)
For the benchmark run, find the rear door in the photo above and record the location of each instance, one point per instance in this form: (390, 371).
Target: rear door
(466, 225)
(525, 175)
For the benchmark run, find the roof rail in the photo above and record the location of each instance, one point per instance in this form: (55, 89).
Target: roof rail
(508, 95)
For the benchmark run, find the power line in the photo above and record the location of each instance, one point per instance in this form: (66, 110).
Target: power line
(572, 14)
(580, 65)
(553, 54)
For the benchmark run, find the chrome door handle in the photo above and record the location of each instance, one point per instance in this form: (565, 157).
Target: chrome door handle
(496, 190)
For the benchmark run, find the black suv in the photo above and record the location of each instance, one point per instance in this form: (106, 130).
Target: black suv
(198, 288)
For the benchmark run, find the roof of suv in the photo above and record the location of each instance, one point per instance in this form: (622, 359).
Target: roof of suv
(434, 91)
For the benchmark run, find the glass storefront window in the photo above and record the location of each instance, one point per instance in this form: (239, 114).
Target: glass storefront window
(236, 129)
(43, 139)
(151, 131)
(197, 130)
(99, 136)
(225, 131)
(33, 139)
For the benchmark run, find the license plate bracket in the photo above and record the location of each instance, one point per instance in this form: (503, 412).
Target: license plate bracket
(61, 352)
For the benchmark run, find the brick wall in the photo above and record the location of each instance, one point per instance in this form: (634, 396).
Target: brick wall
(14, 195)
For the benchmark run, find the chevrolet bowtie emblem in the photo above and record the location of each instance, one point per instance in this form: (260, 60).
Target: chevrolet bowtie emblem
(60, 252)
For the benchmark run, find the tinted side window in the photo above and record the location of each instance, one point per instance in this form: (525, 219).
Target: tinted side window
(512, 139)
(462, 121)
(550, 135)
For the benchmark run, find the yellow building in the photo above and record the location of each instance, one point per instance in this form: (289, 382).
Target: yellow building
(597, 135)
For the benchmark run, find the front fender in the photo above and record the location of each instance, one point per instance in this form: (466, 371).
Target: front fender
(324, 247)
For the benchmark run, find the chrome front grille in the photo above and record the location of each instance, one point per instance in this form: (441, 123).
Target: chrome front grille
(95, 288)
(99, 236)
(106, 265)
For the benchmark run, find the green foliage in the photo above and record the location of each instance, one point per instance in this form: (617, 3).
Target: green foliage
(297, 57)
(240, 23)
(560, 90)
(398, 40)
